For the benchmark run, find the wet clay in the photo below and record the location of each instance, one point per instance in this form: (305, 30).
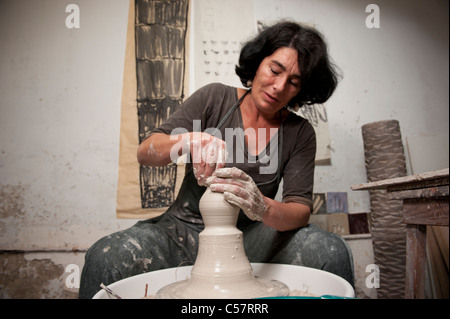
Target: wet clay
(222, 269)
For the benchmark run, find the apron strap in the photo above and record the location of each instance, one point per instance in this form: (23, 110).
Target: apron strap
(230, 111)
(280, 138)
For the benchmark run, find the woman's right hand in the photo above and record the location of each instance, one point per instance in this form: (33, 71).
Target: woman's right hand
(208, 153)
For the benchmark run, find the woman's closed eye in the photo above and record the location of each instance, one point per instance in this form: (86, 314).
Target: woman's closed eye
(276, 72)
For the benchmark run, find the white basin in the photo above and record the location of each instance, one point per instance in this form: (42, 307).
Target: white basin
(297, 278)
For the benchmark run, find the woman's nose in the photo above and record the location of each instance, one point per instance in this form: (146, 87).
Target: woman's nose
(279, 84)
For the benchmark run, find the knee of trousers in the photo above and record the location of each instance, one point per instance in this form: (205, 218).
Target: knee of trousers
(310, 247)
(326, 248)
(118, 256)
(121, 251)
(99, 267)
(329, 252)
(106, 252)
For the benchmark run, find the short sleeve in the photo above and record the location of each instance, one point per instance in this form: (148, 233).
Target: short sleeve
(298, 170)
(201, 110)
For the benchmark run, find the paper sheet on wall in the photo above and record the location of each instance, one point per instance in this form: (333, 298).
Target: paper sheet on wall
(129, 200)
(317, 116)
(221, 28)
(128, 192)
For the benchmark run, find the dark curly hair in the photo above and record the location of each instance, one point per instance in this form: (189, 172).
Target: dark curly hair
(319, 76)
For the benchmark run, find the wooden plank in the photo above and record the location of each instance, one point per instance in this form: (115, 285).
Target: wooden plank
(426, 212)
(428, 192)
(438, 254)
(440, 177)
(442, 238)
(415, 262)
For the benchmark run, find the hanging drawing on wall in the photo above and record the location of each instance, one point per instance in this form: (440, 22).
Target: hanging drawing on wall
(220, 31)
(153, 88)
(317, 116)
(160, 28)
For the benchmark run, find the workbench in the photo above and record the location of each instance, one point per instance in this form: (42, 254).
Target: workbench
(425, 203)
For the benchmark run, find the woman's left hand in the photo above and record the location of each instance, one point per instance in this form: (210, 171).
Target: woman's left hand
(239, 189)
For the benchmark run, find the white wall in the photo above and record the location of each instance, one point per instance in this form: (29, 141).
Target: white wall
(60, 119)
(399, 71)
(61, 93)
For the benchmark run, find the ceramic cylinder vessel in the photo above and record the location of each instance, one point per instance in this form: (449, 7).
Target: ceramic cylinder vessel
(221, 269)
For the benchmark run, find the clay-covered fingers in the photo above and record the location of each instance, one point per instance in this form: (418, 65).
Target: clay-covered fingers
(197, 163)
(239, 189)
(235, 192)
(214, 156)
(228, 176)
(232, 172)
(241, 202)
(208, 153)
(229, 186)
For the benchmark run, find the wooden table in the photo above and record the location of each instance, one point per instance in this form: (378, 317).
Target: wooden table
(425, 202)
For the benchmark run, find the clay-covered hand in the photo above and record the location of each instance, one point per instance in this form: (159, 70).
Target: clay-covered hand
(239, 189)
(208, 153)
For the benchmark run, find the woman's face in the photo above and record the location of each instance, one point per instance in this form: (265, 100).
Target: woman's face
(276, 81)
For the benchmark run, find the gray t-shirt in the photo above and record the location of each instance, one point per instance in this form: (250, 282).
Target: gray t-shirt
(209, 105)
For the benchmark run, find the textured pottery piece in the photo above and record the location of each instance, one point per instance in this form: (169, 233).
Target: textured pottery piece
(222, 269)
